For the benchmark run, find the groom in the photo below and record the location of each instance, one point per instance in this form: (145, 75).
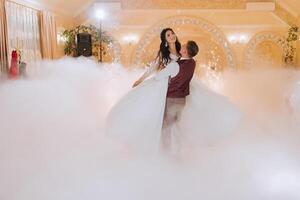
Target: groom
(178, 89)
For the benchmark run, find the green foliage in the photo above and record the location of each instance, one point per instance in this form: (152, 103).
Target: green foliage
(70, 37)
(70, 47)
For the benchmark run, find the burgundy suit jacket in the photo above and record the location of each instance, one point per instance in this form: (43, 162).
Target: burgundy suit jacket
(179, 86)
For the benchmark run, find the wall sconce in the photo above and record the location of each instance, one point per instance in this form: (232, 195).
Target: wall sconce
(130, 39)
(238, 38)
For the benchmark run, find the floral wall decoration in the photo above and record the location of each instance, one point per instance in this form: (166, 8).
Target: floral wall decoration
(291, 46)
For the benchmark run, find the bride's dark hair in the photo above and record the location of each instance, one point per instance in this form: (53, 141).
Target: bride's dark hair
(164, 53)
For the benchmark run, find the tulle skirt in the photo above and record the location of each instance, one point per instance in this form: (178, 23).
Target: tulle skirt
(136, 120)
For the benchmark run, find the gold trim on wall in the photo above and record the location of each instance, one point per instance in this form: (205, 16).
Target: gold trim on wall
(258, 38)
(208, 27)
(285, 15)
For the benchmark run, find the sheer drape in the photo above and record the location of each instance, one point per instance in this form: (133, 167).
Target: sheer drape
(23, 31)
(3, 38)
(48, 35)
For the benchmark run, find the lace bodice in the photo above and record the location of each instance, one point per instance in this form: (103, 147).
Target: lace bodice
(174, 57)
(154, 65)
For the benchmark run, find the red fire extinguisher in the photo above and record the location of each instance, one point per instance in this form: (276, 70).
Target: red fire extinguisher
(13, 70)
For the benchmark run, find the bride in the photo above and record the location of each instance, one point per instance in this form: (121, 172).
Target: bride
(168, 52)
(136, 120)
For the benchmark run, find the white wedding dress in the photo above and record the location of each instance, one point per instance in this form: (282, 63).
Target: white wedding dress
(136, 120)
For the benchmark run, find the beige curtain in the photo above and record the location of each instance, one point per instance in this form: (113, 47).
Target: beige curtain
(3, 38)
(48, 35)
(23, 31)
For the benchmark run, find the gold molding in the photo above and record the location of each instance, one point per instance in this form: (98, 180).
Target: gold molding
(176, 4)
(285, 15)
(258, 38)
(210, 28)
(186, 4)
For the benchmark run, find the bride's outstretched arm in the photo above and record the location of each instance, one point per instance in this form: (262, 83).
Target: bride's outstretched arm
(150, 69)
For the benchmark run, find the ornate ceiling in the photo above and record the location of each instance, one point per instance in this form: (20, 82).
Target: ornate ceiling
(186, 4)
(287, 10)
(182, 4)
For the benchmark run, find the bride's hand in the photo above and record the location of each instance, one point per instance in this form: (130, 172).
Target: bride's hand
(136, 83)
(161, 67)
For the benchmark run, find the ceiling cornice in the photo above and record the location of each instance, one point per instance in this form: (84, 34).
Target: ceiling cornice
(286, 14)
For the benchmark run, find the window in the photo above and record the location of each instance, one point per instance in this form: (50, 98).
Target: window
(23, 31)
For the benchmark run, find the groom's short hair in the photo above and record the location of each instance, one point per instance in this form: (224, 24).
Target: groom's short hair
(192, 48)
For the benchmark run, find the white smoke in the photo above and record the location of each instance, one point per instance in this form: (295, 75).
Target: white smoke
(52, 144)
